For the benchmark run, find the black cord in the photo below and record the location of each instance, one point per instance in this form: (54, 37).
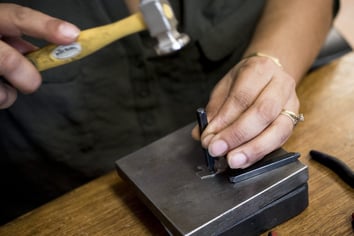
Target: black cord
(336, 165)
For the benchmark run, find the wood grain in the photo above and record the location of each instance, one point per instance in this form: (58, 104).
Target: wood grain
(107, 206)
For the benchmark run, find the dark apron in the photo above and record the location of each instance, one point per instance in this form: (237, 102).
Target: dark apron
(89, 113)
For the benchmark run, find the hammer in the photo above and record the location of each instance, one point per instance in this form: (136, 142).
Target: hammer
(155, 15)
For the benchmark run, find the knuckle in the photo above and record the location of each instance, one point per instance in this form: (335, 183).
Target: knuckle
(223, 122)
(9, 60)
(7, 96)
(218, 124)
(237, 136)
(21, 14)
(258, 64)
(267, 111)
(289, 82)
(292, 82)
(241, 99)
(263, 61)
(267, 62)
(247, 67)
(3, 97)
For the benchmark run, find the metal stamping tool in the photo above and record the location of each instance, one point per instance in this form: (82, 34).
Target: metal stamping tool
(214, 165)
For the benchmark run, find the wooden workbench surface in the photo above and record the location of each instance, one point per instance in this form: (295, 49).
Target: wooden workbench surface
(107, 206)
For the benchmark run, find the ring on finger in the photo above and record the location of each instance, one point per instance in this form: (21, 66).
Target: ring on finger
(292, 116)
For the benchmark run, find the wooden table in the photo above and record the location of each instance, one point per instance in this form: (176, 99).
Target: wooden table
(107, 206)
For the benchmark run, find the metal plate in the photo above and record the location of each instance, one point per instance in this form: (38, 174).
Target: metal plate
(165, 177)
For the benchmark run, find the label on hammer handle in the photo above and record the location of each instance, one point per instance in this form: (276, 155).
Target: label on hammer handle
(64, 52)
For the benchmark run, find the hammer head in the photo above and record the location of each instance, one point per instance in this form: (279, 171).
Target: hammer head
(162, 25)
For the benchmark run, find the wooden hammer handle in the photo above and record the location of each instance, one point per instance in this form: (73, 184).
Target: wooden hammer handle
(88, 42)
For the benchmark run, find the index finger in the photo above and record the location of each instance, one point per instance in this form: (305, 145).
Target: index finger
(16, 20)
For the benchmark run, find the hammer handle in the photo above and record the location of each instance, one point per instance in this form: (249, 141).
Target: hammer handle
(88, 42)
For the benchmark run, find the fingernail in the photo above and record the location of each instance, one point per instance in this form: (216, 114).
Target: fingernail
(69, 30)
(237, 160)
(218, 148)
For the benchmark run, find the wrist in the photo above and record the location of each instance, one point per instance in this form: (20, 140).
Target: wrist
(260, 54)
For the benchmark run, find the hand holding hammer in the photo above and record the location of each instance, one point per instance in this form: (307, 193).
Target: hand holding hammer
(69, 44)
(154, 15)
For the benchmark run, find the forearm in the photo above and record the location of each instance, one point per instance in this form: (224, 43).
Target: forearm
(293, 31)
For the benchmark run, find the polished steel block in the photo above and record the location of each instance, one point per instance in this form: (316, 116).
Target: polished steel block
(165, 177)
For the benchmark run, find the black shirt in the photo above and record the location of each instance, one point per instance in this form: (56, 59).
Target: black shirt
(91, 112)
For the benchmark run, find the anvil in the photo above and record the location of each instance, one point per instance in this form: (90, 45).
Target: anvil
(165, 175)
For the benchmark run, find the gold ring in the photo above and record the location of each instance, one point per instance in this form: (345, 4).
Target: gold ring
(293, 117)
